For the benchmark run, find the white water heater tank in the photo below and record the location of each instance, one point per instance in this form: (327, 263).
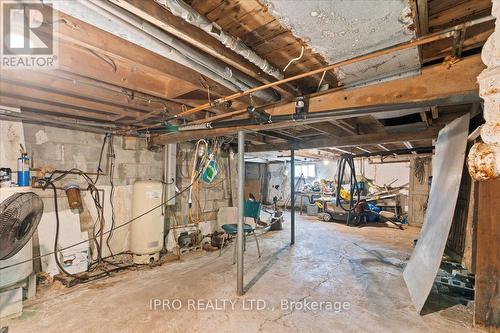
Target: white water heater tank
(146, 233)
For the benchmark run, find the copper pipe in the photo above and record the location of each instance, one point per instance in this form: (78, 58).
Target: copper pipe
(429, 38)
(446, 33)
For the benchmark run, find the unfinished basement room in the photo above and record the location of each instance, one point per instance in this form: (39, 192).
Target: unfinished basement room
(249, 166)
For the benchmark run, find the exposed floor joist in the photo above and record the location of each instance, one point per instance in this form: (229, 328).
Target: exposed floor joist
(456, 84)
(155, 14)
(352, 140)
(434, 83)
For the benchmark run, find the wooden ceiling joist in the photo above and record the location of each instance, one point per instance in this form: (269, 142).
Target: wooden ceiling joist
(25, 91)
(435, 83)
(82, 91)
(351, 140)
(423, 16)
(160, 17)
(115, 82)
(113, 51)
(13, 100)
(71, 84)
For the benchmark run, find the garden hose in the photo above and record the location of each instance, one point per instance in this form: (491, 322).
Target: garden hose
(354, 191)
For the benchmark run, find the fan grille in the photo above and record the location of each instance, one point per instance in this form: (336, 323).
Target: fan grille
(19, 216)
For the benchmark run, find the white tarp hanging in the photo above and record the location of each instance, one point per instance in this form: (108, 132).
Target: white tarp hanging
(447, 166)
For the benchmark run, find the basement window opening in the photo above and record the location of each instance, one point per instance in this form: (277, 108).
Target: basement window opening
(307, 170)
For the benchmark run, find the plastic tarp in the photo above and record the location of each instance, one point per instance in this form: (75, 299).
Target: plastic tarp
(447, 166)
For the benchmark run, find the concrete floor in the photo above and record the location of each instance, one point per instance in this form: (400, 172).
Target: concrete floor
(330, 262)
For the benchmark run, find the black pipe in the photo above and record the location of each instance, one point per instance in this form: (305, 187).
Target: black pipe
(340, 113)
(348, 112)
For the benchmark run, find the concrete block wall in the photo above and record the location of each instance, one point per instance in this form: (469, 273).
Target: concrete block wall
(210, 196)
(66, 149)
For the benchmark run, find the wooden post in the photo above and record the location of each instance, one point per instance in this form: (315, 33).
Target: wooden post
(487, 299)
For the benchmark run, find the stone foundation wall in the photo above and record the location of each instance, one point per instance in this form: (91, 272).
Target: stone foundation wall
(484, 157)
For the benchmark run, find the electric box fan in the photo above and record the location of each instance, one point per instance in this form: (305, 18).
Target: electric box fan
(19, 217)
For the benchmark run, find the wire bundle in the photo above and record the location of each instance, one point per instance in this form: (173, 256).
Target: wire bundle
(98, 229)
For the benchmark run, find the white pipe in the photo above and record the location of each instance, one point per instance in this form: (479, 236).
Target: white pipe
(163, 41)
(104, 15)
(187, 13)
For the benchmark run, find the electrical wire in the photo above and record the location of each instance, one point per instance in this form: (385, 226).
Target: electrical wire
(56, 238)
(99, 224)
(78, 278)
(111, 160)
(94, 193)
(196, 162)
(105, 233)
(294, 59)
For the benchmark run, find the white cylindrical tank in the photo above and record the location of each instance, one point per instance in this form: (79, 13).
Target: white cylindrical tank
(146, 233)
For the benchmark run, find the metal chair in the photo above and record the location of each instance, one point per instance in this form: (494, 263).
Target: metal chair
(251, 209)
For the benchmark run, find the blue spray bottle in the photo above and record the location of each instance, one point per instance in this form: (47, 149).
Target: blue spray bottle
(23, 169)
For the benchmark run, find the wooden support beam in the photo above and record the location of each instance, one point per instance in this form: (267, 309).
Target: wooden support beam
(423, 17)
(327, 128)
(455, 85)
(434, 83)
(352, 140)
(136, 58)
(52, 107)
(27, 91)
(193, 135)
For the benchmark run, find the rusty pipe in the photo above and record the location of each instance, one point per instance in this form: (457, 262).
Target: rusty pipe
(429, 38)
(446, 33)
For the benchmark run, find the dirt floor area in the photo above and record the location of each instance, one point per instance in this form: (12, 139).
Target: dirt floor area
(334, 279)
